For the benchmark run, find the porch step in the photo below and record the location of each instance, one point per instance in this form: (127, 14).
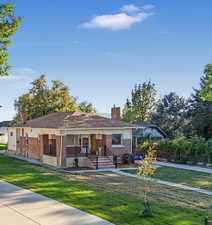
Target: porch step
(103, 162)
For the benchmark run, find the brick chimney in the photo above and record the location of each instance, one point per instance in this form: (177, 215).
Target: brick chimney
(116, 113)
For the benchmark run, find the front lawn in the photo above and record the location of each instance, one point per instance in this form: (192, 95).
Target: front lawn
(182, 176)
(115, 204)
(3, 147)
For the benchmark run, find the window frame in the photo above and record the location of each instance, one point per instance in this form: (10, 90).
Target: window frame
(121, 141)
(76, 140)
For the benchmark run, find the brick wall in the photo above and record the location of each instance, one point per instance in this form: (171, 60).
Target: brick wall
(23, 147)
(34, 148)
(119, 151)
(58, 149)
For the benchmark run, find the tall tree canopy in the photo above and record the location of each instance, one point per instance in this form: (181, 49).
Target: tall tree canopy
(141, 104)
(200, 113)
(42, 100)
(171, 113)
(8, 26)
(87, 107)
(206, 91)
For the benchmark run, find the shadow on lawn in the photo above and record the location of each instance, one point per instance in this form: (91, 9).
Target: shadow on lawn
(119, 208)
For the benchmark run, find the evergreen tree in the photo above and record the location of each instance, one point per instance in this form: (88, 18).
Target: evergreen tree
(8, 26)
(206, 92)
(141, 104)
(200, 112)
(171, 112)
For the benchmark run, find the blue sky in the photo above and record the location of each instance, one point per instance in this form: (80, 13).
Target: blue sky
(101, 48)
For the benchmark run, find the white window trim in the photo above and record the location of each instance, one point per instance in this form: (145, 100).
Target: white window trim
(119, 146)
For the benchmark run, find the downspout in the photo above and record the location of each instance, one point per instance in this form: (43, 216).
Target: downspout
(132, 141)
(61, 149)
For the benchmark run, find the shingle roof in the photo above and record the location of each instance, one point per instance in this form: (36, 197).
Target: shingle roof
(76, 119)
(148, 124)
(5, 124)
(145, 124)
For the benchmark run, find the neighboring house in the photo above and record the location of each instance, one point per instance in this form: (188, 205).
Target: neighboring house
(59, 138)
(4, 131)
(145, 131)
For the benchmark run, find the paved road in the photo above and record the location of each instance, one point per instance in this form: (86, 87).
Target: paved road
(22, 207)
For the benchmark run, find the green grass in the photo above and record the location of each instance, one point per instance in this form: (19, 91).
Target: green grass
(3, 147)
(119, 208)
(182, 176)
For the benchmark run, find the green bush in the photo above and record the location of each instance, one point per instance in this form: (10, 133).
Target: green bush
(127, 158)
(181, 149)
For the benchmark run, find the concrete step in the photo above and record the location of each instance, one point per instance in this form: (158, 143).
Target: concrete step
(103, 162)
(104, 167)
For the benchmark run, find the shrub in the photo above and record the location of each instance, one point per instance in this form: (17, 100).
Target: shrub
(127, 158)
(181, 149)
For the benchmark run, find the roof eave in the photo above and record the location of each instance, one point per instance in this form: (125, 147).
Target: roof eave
(90, 128)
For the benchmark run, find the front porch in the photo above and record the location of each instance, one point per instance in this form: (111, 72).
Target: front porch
(85, 145)
(87, 150)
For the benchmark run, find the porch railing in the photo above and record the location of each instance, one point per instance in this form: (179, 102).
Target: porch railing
(76, 153)
(108, 152)
(50, 149)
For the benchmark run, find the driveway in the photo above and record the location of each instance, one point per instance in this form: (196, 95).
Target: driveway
(22, 207)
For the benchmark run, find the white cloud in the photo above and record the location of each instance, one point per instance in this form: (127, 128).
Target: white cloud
(25, 71)
(76, 42)
(148, 6)
(111, 54)
(130, 8)
(13, 77)
(115, 22)
(20, 74)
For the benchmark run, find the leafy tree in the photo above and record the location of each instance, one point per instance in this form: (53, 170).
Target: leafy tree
(60, 98)
(87, 107)
(206, 92)
(200, 112)
(145, 171)
(8, 26)
(42, 100)
(171, 113)
(141, 104)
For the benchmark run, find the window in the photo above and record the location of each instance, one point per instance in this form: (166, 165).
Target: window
(73, 140)
(26, 139)
(11, 134)
(116, 139)
(52, 136)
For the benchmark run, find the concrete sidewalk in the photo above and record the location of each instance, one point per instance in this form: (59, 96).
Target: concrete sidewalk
(22, 207)
(186, 167)
(185, 187)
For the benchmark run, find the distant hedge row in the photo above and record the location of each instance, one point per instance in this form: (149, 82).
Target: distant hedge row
(181, 149)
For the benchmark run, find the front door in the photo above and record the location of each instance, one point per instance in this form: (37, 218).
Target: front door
(85, 145)
(93, 144)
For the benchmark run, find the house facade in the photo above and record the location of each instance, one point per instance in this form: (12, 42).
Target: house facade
(59, 138)
(4, 132)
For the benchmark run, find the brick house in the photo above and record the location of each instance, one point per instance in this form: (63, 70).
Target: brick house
(59, 138)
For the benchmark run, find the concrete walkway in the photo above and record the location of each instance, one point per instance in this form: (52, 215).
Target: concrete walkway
(22, 207)
(186, 167)
(120, 172)
(185, 187)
